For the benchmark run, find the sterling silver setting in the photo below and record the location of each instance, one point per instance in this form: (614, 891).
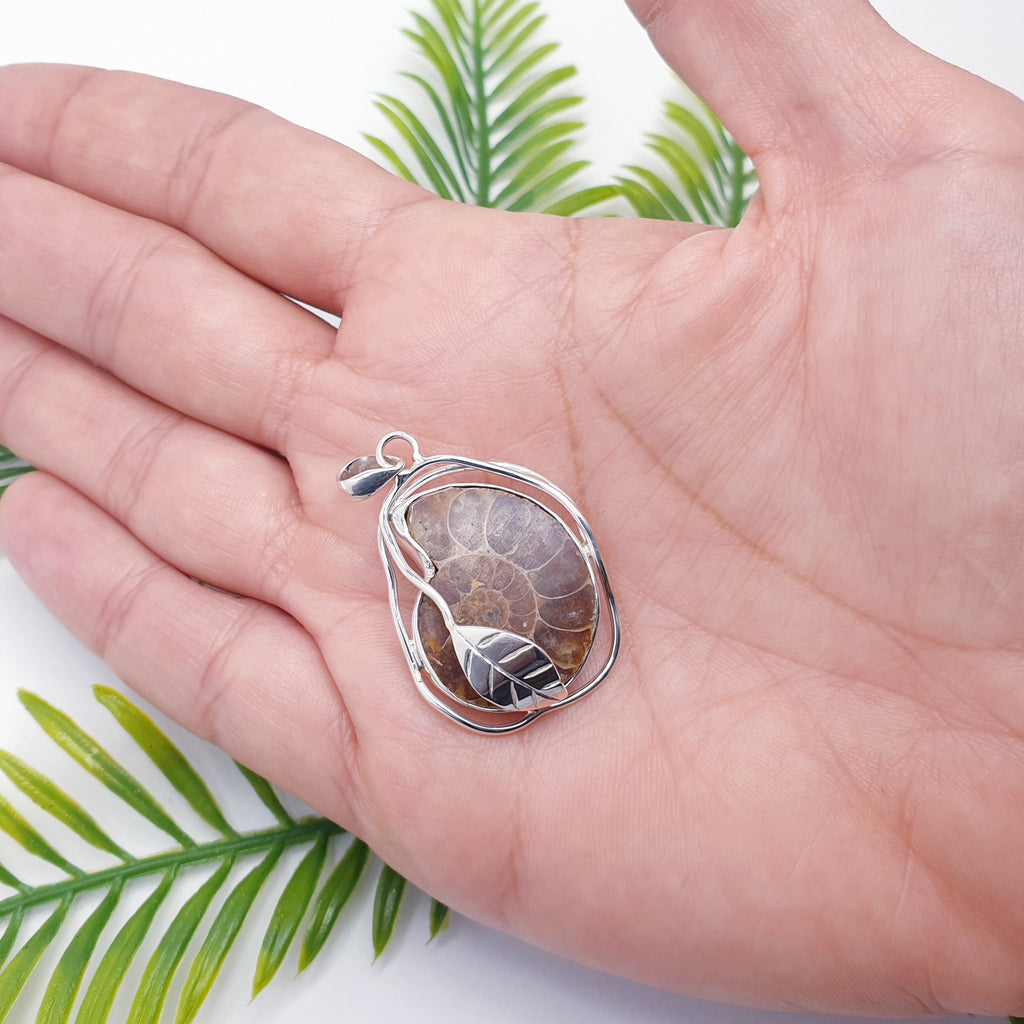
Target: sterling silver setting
(487, 564)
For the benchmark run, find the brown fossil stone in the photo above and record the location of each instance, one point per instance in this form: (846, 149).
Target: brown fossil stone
(502, 561)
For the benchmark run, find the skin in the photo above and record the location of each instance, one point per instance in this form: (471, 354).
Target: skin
(798, 443)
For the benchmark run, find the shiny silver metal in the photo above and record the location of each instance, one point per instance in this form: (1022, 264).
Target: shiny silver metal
(515, 680)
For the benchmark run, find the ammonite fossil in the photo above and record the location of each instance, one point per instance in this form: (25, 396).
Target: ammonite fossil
(504, 563)
(511, 585)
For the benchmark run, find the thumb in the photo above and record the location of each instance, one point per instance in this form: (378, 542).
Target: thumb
(824, 83)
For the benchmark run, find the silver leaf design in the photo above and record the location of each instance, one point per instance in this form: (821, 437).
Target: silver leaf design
(506, 669)
(362, 478)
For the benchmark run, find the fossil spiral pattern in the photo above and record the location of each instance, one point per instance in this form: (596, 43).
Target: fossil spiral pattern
(502, 561)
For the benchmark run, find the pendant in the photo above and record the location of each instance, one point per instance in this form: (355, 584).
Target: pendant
(497, 588)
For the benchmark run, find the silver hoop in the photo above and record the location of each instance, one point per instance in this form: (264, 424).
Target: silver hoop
(397, 435)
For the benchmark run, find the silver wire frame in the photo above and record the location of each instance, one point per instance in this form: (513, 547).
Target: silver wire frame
(413, 483)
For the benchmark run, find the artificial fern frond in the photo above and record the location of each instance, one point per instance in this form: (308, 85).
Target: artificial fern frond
(492, 130)
(11, 467)
(85, 986)
(703, 174)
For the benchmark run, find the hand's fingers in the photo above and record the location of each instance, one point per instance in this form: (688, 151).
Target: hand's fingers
(232, 670)
(816, 81)
(218, 508)
(154, 307)
(286, 206)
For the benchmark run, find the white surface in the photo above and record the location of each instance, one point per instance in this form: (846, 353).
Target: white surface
(318, 62)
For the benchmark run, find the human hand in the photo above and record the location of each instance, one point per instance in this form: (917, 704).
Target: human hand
(798, 444)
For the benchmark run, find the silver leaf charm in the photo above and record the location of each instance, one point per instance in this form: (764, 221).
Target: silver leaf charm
(505, 669)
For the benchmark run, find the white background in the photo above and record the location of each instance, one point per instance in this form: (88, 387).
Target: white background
(318, 62)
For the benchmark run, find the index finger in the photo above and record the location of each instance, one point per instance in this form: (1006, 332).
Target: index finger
(287, 206)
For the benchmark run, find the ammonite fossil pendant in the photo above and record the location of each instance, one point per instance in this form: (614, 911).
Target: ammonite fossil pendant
(511, 595)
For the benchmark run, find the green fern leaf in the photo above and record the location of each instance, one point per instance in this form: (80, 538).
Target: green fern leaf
(491, 130)
(106, 982)
(159, 972)
(10, 936)
(523, 68)
(55, 801)
(29, 839)
(652, 197)
(570, 205)
(340, 885)
(265, 791)
(456, 141)
(12, 882)
(95, 760)
(176, 870)
(544, 190)
(288, 915)
(22, 964)
(428, 154)
(439, 916)
(222, 935)
(11, 467)
(67, 978)
(166, 756)
(696, 187)
(387, 902)
(703, 174)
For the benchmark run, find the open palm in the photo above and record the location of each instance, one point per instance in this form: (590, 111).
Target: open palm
(798, 443)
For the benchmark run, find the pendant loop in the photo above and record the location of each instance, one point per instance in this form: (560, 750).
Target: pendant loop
(398, 435)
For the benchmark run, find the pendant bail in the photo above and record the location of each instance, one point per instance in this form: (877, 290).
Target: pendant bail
(363, 477)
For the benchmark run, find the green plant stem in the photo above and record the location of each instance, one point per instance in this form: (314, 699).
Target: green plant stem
(483, 178)
(218, 850)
